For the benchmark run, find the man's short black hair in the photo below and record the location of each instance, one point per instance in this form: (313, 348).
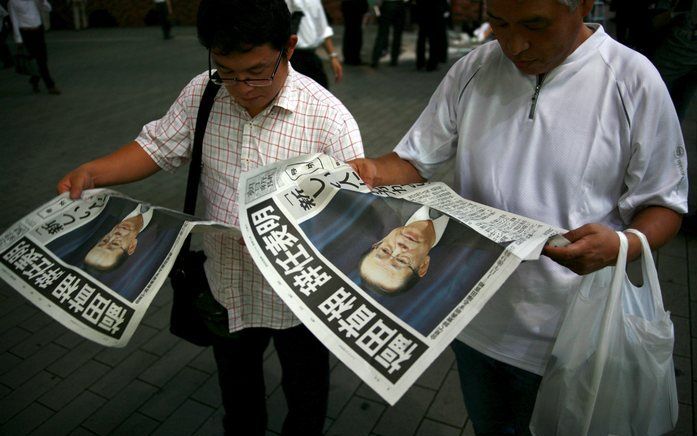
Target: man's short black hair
(228, 26)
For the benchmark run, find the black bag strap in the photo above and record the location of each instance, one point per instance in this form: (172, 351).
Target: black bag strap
(204, 110)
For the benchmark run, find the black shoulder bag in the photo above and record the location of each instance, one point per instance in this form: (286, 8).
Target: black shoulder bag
(195, 313)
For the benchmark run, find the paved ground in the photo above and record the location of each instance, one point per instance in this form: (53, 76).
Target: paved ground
(53, 382)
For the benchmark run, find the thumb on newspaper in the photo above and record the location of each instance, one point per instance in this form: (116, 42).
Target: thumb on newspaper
(366, 170)
(75, 181)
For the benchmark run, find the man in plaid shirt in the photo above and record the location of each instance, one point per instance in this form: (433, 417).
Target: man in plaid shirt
(264, 112)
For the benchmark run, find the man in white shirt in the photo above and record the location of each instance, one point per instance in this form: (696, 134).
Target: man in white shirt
(29, 32)
(265, 112)
(558, 122)
(313, 31)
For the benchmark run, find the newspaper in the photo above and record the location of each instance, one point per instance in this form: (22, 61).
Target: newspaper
(96, 263)
(385, 278)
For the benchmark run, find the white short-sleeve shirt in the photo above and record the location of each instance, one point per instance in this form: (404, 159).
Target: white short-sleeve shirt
(602, 141)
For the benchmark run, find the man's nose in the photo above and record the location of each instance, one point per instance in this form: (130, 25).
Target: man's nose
(400, 247)
(516, 44)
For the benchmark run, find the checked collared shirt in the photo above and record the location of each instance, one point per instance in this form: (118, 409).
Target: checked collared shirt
(304, 118)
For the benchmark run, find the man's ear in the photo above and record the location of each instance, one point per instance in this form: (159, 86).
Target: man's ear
(586, 6)
(290, 47)
(424, 266)
(132, 246)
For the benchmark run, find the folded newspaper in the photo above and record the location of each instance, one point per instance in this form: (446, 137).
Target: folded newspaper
(385, 278)
(96, 263)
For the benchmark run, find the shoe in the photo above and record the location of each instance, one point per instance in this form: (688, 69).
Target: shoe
(35, 87)
(374, 65)
(54, 90)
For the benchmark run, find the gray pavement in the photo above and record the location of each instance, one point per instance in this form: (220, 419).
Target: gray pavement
(54, 382)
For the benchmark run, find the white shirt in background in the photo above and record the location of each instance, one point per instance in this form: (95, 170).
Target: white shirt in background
(314, 27)
(26, 14)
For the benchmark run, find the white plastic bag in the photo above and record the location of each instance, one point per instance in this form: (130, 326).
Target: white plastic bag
(611, 369)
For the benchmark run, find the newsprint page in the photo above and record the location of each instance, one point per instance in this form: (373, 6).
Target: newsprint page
(96, 263)
(385, 278)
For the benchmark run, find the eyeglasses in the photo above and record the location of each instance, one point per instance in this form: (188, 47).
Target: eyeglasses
(215, 77)
(401, 260)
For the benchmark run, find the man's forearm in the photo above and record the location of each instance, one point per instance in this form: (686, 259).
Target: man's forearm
(127, 164)
(389, 169)
(659, 225)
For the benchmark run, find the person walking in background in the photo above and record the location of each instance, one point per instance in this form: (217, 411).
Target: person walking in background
(79, 13)
(164, 10)
(392, 14)
(29, 33)
(431, 16)
(353, 12)
(675, 57)
(633, 22)
(313, 30)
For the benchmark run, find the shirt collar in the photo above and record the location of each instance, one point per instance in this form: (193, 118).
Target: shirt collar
(287, 97)
(589, 46)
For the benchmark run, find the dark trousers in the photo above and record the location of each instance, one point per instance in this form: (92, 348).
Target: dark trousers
(163, 14)
(431, 30)
(353, 11)
(307, 62)
(392, 14)
(499, 397)
(5, 54)
(305, 380)
(35, 44)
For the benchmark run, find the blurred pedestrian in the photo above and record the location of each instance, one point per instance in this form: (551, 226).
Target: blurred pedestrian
(676, 59)
(5, 54)
(79, 13)
(392, 14)
(431, 16)
(29, 33)
(164, 10)
(676, 54)
(633, 23)
(313, 30)
(353, 12)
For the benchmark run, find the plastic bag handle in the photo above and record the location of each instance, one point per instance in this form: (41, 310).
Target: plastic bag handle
(648, 270)
(613, 304)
